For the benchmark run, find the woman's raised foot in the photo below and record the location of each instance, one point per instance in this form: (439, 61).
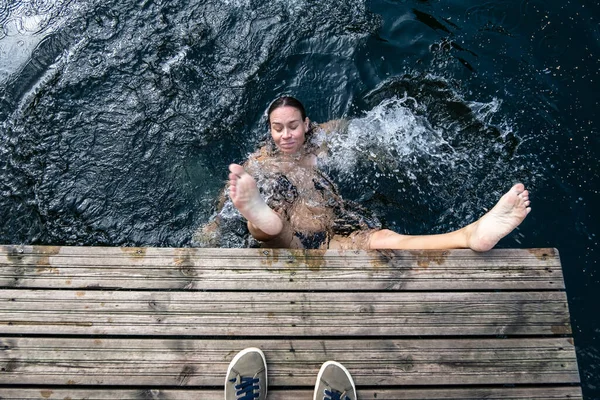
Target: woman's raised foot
(507, 214)
(246, 198)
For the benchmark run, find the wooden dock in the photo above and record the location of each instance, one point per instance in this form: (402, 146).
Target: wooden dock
(149, 323)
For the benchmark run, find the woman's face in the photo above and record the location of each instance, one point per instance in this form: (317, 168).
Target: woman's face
(288, 130)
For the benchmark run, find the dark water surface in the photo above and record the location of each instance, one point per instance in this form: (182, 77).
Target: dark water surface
(118, 118)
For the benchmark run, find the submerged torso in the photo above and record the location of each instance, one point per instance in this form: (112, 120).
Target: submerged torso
(297, 190)
(296, 187)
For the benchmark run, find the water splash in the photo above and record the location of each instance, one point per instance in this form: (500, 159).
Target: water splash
(423, 149)
(389, 136)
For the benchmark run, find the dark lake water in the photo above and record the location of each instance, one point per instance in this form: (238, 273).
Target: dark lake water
(118, 118)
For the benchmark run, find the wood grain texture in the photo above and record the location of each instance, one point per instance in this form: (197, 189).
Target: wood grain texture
(548, 393)
(372, 362)
(268, 269)
(147, 323)
(281, 314)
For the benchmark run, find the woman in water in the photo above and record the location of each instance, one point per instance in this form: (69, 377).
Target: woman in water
(289, 203)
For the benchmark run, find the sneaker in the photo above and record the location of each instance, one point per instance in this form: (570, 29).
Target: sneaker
(247, 376)
(334, 383)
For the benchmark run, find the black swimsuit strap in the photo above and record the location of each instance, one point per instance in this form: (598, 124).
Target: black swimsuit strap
(313, 240)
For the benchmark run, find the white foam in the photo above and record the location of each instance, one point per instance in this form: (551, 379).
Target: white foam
(484, 112)
(175, 60)
(389, 134)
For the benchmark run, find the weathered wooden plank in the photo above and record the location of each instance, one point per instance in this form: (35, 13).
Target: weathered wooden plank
(279, 314)
(317, 326)
(187, 362)
(546, 393)
(261, 269)
(18, 253)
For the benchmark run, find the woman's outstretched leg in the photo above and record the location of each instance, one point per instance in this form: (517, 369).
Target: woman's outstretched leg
(264, 223)
(481, 235)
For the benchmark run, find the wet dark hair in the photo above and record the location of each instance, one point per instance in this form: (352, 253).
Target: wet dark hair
(284, 101)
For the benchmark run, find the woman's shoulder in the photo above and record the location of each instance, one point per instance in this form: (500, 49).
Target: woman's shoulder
(334, 126)
(317, 143)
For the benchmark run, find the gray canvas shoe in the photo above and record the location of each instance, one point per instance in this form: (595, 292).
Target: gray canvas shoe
(334, 382)
(247, 376)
